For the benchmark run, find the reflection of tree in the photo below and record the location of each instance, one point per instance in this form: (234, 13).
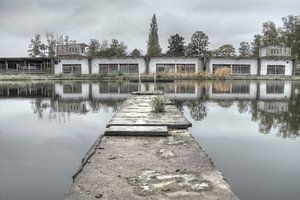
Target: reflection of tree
(94, 105)
(254, 112)
(39, 106)
(97, 105)
(198, 110)
(225, 104)
(243, 106)
(287, 123)
(290, 122)
(266, 122)
(179, 104)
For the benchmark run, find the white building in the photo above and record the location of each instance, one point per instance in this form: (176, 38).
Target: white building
(72, 65)
(78, 49)
(118, 65)
(274, 50)
(273, 60)
(237, 65)
(175, 64)
(276, 66)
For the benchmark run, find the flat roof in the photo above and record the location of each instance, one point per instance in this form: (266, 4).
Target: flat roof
(24, 58)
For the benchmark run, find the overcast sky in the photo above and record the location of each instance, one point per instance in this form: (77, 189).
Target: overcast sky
(230, 21)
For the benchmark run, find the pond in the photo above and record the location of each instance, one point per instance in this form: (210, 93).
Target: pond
(250, 130)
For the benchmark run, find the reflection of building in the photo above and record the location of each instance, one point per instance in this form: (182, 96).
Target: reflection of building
(275, 90)
(70, 106)
(120, 91)
(35, 90)
(73, 90)
(273, 106)
(114, 90)
(178, 90)
(232, 90)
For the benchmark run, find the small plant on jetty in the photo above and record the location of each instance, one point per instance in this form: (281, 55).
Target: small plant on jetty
(158, 103)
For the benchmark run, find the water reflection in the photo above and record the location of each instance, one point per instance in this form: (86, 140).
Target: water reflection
(270, 103)
(46, 128)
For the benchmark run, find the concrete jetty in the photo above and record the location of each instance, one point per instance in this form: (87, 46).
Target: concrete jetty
(147, 155)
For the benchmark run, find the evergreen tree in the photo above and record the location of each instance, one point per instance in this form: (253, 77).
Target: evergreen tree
(35, 46)
(153, 41)
(176, 45)
(245, 49)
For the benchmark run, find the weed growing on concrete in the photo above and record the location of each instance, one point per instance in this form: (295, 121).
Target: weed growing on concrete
(158, 103)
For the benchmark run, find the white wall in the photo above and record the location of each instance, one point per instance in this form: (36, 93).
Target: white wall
(83, 95)
(238, 61)
(171, 60)
(96, 61)
(83, 61)
(265, 96)
(288, 63)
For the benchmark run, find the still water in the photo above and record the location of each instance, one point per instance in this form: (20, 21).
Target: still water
(249, 129)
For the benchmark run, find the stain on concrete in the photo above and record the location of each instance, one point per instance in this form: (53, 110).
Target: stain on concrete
(166, 153)
(150, 182)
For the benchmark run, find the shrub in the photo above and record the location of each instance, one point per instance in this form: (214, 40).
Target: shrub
(222, 72)
(158, 103)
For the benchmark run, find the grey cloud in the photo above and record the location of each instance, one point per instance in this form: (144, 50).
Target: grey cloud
(229, 21)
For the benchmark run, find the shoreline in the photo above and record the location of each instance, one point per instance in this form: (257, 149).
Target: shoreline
(135, 78)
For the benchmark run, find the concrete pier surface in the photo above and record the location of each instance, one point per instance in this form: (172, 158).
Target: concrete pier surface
(165, 164)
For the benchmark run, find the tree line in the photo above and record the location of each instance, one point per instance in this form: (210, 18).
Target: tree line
(37, 48)
(286, 35)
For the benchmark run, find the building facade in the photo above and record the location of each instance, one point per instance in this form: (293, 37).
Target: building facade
(237, 65)
(175, 65)
(73, 59)
(127, 65)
